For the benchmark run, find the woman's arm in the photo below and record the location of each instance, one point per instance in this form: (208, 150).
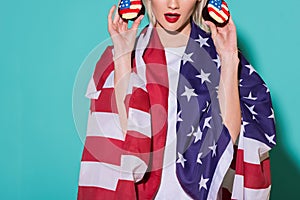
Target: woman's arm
(123, 40)
(225, 40)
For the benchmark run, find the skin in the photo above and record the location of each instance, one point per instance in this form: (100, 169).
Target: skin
(173, 34)
(224, 38)
(123, 39)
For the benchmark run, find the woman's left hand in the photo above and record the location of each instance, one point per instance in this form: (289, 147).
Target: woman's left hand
(225, 39)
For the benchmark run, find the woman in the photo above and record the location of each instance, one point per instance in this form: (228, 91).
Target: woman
(178, 111)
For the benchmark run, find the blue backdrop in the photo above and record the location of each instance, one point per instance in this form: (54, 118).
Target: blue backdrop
(43, 45)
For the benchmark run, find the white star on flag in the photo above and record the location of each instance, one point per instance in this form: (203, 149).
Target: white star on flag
(243, 127)
(251, 69)
(204, 76)
(241, 80)
(199, 158)
(214, 149)
(217, 61)
(206, 122)
(251, 109)
(217, 91)
(250, 97)
(187, 58)
(267, 88)
(206, 107)
(181, 159)
(202, 183)
(189, 93)
(179, 119)
(272, 115)
(198, 135)
(270, 138)
(202, 41)
(192, 132)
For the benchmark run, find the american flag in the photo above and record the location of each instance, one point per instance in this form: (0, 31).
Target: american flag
(130, 9)
(208, 165)
(218, 10)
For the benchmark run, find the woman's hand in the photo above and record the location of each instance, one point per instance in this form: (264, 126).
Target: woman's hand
(123, 38)
(225, 39)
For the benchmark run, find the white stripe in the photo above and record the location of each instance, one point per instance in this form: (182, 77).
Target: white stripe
(216, 17)
(104, 124)
(135, 6)
(92, 126)
(91, 91)
(109, 82)
(241, 193)
(220, 171)
(129, 15)
(133, 165)
(238, 188)
(135, 81)
(139, 121)
(103, 175)
(257, 194)
(142, 43)
(254, 150)
(225, 7)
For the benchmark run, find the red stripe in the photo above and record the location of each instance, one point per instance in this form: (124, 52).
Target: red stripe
(103, 68)
(139, 100)
(101, 149)
(256, 176)
(135, 3)
(106, 102)
(129, 10)
(108, 150)
(125, 190)
(216, 12)
(138, 145)
(157, 86)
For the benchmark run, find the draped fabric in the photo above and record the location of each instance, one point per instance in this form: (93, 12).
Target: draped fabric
(208, 165)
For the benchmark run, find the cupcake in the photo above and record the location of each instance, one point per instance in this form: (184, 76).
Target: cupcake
(217, 12)
(131, 9)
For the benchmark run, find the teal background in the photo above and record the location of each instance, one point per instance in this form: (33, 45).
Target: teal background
(44, 43)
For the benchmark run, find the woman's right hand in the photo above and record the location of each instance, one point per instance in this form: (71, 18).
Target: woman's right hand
(123, 37)
(123, 40)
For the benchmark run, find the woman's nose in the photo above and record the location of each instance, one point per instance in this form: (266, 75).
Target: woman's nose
(173, 4)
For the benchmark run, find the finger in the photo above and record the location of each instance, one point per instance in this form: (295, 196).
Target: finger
(117, 17)
(231, 23)
(230, 20)
(212, 27)
(125, 25)
(120, 20)
(228, 28)
(137, 22)
(109, 17)
(121, 24)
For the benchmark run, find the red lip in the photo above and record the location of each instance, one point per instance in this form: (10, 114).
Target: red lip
(172, 17)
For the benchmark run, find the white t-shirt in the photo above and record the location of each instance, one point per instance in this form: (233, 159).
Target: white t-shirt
(170, 187)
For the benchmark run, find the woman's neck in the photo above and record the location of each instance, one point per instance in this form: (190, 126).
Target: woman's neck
(174, 39)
